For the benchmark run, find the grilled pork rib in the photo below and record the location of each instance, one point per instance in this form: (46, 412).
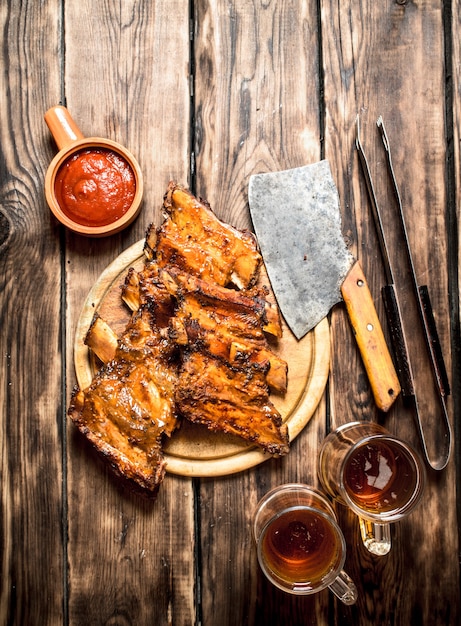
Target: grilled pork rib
(226, 323)
(231, 399)
(130, 405)
(195, 241)
(146, 288)
(195, 347)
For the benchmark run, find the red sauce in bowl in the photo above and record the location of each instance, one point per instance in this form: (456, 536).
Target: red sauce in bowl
(95, 186)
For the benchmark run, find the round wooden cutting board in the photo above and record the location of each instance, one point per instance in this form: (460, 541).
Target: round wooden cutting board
(193, 450)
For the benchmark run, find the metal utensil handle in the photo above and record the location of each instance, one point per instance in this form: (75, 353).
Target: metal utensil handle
(398, 340)
(376, 213)
(433, 341)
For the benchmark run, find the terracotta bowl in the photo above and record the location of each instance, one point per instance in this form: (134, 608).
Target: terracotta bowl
(70, 140)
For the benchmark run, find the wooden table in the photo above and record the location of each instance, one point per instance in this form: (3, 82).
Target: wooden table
(208, 93)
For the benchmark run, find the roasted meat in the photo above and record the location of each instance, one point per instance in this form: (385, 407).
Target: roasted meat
(101, 339)
(224, 322)
(230, 399)
(195, 241)
(196, 347)
(146, 288)
(129, 406)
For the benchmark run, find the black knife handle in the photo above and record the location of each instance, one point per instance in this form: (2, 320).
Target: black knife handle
(433, 340)
(398, 341)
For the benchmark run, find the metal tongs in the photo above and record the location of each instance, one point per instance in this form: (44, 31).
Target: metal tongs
(440, 437)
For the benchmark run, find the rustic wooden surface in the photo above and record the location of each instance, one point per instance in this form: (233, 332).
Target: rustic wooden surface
(208, 93)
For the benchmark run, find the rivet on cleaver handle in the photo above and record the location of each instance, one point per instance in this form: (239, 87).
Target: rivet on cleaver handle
(297, 221)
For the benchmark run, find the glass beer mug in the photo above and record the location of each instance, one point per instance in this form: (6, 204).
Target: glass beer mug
(378, 476)
(301, 548)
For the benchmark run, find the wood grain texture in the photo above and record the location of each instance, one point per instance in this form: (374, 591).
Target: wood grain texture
(275, 85)
(244, 59)
(31, 410)
(392, 55)
(261, 62)
(453, 115)
(455, 65)
(130, 562)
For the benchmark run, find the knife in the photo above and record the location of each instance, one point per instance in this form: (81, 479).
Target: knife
(297, 221)
(388, 292)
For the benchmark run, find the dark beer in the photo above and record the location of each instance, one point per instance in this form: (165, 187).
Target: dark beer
(301, 546)
(380, 476)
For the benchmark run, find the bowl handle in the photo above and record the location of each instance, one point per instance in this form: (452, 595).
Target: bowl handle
(63, 128)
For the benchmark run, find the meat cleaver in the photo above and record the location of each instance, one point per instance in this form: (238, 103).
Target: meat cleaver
(297, 222)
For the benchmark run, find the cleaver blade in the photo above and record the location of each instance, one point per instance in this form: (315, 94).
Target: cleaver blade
(297, 221)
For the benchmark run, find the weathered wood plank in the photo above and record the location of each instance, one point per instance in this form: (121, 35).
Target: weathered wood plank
(31, 414)
(455, 170)
(126, 78)
(245, 62)
(391, 62)
(257, 109)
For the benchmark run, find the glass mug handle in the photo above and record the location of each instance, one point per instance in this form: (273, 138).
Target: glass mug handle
(376, 537)
(344, 588)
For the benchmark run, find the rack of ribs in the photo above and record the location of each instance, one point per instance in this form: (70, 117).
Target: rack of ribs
(196, 347)
(130, 404)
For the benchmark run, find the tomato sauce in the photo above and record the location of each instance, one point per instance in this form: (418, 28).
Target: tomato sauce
(95, 186)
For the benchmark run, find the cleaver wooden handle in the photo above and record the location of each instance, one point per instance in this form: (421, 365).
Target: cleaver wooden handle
(370, 338)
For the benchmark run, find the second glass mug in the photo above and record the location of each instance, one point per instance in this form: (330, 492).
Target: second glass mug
(378, 476)
(300, 546)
